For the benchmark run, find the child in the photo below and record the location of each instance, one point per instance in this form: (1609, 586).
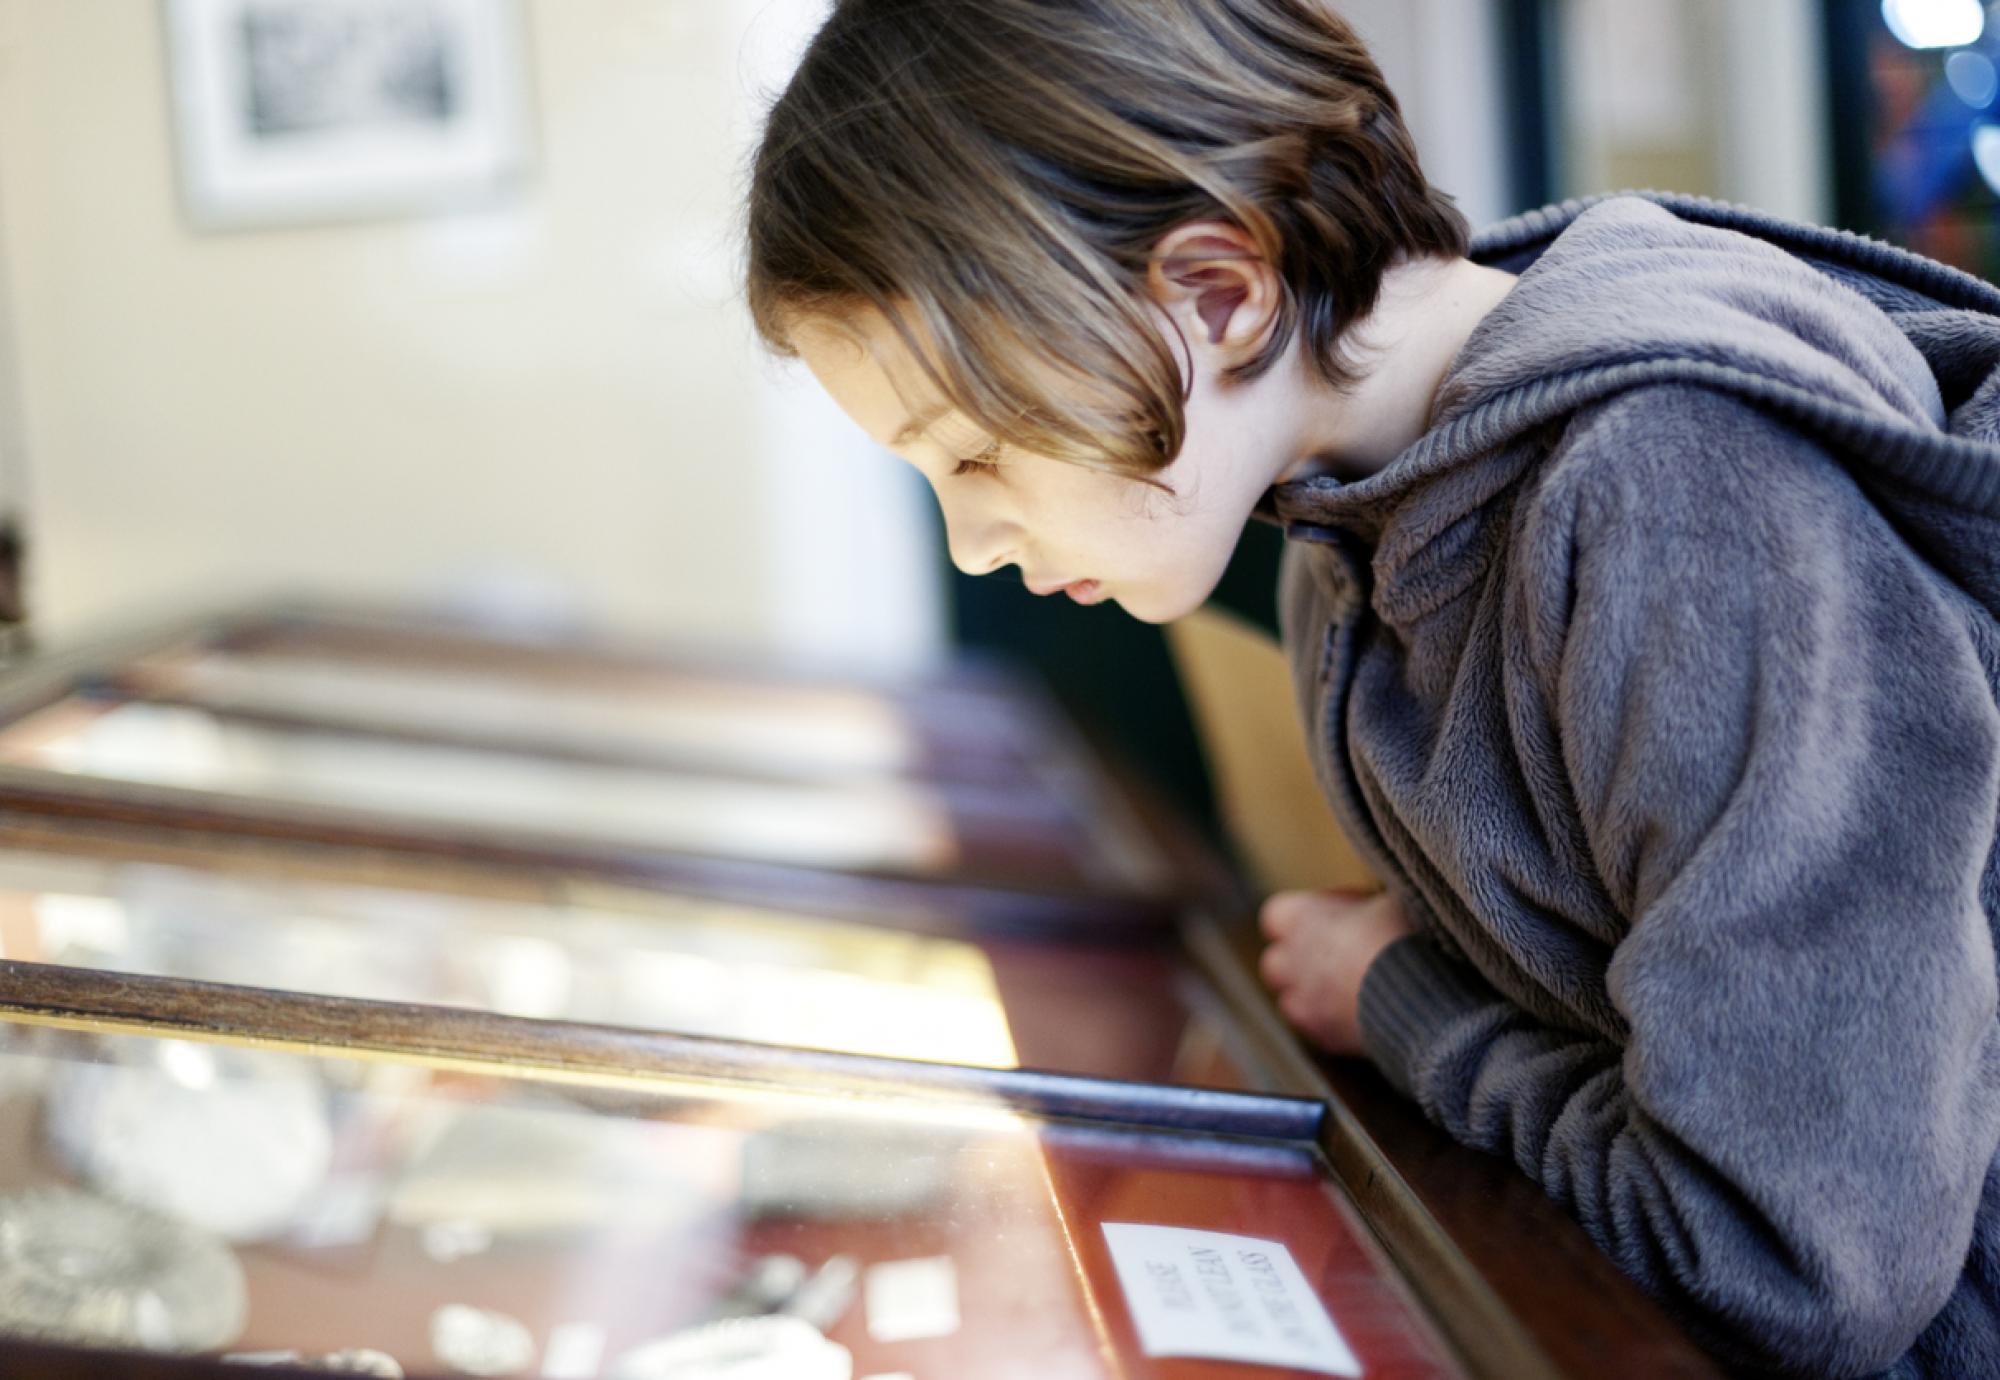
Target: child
(1642, 598)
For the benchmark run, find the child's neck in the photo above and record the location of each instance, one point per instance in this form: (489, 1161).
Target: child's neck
(1427, 311)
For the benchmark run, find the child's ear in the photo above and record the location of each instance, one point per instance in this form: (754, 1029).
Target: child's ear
(1211, 278)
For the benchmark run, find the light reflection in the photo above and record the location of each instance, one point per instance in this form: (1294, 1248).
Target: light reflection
(864, 824)
(624, 1215)
(1973, 78)
(1935, 23)
(692, 967)
(189, 1065)
(797, 730)
(1986, 154)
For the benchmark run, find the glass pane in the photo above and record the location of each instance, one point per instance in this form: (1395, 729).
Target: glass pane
(210, 1199)
(967, 729)
(1047, 809)
(644, 960)
(868, 825)
(741, 725)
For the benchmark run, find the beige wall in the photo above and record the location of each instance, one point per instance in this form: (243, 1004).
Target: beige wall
(555, 396)
(1722, 98)
(1442, 59)
(12, 432)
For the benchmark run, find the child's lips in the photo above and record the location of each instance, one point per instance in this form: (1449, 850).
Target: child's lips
(1083, 591)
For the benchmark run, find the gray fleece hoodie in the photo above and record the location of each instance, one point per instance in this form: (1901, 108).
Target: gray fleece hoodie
(1659, 679)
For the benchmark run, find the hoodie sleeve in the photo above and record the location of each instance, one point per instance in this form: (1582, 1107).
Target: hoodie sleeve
(1785, 757)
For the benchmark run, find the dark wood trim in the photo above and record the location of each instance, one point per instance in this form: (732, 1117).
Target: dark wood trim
(1026, 798)
(975, 690)
(1512, 1284)
(971, 691)
(516, 1046)
(945, 753)
(37, 681)
(1201, 876)
(957, 902)
(1003, 830)
(281, 862)
(399, 633)
(1512, 1281)
(21, 1360)
(1204, 1154)
(986, 890)
(1489, 1340)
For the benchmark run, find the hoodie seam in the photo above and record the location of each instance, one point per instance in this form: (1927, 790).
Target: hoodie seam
(1946, 467)
(1952, 286)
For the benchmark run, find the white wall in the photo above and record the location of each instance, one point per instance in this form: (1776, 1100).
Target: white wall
(556, 397)
(13, 432)
(851, 531)
(1723, 98)
(1776, 154)
(1442, 59)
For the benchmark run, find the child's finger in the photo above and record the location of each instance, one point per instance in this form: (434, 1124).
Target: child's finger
(1280, 912)
(1276, 965)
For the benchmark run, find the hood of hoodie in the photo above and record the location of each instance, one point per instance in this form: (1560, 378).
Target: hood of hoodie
(1891, 360)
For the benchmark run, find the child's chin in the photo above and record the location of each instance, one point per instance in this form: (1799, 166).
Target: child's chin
(1152, 608)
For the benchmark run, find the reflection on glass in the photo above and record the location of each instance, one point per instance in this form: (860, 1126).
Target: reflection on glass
(271, 1206)
(695, 967)
(153, 1194)
(873, 825)
(207, 1199)
(745, 725)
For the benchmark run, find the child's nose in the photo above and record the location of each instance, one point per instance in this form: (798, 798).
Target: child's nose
(979, 546)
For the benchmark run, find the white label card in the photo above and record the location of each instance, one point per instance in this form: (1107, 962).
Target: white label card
(1224, 1298)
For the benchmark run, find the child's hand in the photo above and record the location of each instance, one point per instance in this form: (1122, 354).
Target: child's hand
(1321, 945)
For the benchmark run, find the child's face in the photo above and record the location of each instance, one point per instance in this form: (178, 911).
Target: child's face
(1159, 556)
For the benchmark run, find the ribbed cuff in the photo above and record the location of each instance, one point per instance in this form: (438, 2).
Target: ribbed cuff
(1411, 993)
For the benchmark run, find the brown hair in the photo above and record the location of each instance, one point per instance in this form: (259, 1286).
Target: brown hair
(993, 177)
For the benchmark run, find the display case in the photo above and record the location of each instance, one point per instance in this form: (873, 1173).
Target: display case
(578, 950)
(231, 1199)
(396, 1085)
(967, 797)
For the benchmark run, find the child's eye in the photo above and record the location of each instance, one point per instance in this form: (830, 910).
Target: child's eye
(981, 463)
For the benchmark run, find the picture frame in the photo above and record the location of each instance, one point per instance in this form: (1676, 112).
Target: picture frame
(301, 111)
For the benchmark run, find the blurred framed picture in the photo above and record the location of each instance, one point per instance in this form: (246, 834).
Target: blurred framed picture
(292, 111)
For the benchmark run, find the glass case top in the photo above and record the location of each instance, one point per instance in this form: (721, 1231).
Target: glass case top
(863, 825)
(644, 960)
(387, 1218)
(799, 730)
